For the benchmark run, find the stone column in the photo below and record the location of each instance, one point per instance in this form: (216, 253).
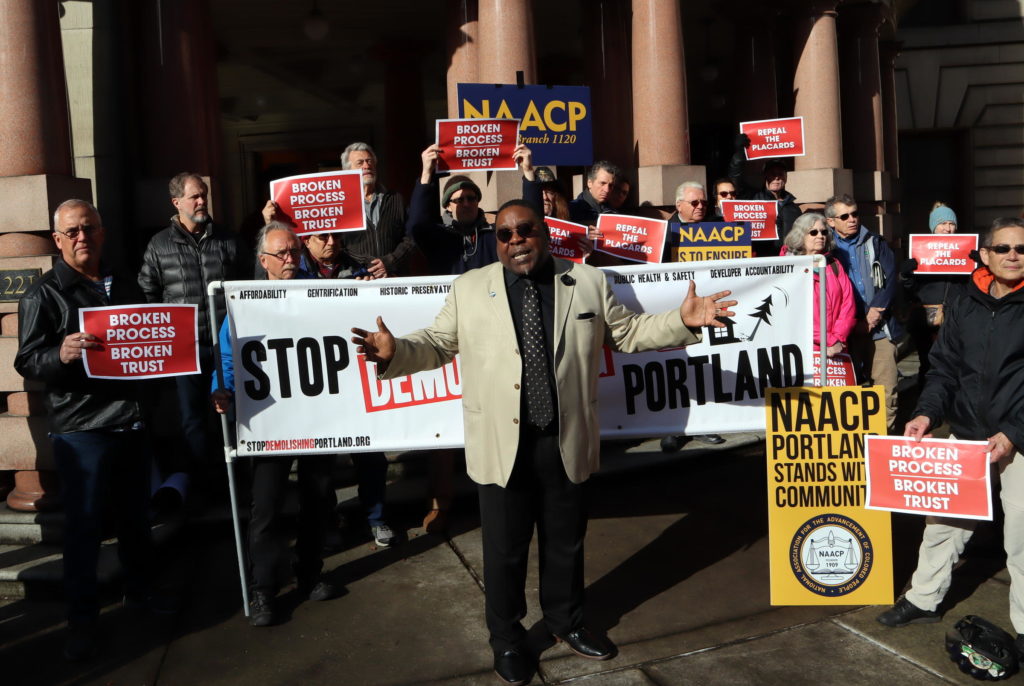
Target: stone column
(462, 48)
(506, 47)
(816, 89)
(35, 177)
(506, 34)
(661, 129)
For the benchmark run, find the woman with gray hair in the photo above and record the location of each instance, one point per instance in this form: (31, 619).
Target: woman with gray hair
(810, 236)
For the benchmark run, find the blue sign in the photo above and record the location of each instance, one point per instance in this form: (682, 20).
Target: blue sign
(555, 120)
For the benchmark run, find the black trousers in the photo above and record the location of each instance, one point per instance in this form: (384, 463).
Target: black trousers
(268, 541)
(538, 493)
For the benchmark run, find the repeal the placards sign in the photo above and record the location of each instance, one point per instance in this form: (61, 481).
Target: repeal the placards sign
(943, 253)
(141, 341)
(949, 478)
(774, 137)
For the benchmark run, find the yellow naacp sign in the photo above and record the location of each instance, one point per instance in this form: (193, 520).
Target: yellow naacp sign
(824, 547)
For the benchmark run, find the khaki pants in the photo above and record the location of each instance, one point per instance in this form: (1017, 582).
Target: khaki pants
(878, 357)
(944, 540)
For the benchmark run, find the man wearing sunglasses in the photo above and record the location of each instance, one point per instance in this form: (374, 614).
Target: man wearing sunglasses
(976, 384)
(691, 207)
(279, 252)
(99, 443)
(871, 267)
(530, 332)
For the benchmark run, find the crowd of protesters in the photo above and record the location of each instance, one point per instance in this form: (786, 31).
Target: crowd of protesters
(99, 426)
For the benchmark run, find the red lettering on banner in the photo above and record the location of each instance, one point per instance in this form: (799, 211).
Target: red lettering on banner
(434, 386)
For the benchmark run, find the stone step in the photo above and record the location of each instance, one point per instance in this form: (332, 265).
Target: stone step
(36, 570)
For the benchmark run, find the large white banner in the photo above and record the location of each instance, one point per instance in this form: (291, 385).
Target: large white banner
(300, 387)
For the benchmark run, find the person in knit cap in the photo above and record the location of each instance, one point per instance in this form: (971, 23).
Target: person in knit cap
(928, 294)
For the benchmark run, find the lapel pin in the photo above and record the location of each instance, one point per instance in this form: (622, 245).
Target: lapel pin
(492, 294)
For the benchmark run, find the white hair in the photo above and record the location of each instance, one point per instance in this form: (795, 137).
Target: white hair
(353, 147)
(681, 188)
(75, 202)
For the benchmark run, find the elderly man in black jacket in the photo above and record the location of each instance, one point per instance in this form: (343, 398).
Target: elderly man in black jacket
(99, 445)
(179, 263)
(976, 383)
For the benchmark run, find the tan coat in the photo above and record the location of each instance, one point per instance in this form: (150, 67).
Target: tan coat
(477, 322)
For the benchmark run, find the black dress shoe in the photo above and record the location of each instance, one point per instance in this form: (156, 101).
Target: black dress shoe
(261, 609)
(585, 644)
(670, 444)
(512, 666)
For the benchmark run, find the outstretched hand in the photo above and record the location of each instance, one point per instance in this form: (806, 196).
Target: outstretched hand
(378, 346)
(697, 311)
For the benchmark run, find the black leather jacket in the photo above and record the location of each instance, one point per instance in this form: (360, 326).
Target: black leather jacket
(48, 313)
(177, 269)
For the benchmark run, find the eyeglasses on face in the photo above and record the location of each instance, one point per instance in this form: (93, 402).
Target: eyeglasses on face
(816, 232)
(844, 217)
(524, 231)
(75, 232)
(697, 203)
(727, 194)
(466, 199)
(1003, 249)
(285, 254)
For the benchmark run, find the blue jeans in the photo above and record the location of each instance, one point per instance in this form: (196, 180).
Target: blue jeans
(103, 471)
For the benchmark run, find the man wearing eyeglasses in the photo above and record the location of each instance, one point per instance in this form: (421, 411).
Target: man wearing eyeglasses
(99, 444)
(691, 207)
(871, 267)
(976, 384)
(180, 261)
(530, 332)
(279, 252)
(461, 237)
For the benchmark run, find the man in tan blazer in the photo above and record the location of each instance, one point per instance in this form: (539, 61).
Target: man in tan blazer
(530, 332)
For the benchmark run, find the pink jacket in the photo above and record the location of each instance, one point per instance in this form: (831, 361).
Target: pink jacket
(840, 310)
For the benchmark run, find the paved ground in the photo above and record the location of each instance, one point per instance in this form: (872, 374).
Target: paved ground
(677, 575)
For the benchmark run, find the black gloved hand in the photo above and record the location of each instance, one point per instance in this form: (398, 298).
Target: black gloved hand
(742, 142)
(908, 267)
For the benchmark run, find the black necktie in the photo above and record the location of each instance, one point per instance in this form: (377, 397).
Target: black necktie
(535, 360)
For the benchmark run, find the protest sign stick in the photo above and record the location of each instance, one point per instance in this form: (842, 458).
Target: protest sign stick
(229, 450)
(820, 262)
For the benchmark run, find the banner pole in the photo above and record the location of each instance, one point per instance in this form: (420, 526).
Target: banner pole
(820, 264)
(215, 288)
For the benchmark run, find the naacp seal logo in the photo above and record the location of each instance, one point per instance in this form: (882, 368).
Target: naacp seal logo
(831, 555)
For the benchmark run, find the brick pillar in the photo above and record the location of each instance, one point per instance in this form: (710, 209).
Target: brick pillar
(661, 128)
(819, 173)
(35, 176)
